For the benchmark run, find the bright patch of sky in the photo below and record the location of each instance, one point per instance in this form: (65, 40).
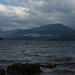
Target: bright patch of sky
(8, 2)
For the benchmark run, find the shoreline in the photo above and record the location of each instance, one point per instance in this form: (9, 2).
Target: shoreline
(33, 69)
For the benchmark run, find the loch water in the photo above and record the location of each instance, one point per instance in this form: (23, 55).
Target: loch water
(59, 52)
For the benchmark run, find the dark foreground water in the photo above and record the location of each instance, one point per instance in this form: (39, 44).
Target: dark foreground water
(60, 52)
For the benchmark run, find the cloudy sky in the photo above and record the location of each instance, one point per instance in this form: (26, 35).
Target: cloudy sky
(24, 14)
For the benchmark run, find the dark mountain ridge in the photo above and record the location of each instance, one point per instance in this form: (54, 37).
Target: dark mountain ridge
(51, 31)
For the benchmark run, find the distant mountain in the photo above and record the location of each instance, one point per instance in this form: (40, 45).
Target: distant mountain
(46, 32)
(11, 32)
(2, 33)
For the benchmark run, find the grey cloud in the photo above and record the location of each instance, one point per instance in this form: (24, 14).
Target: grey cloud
(40, 12)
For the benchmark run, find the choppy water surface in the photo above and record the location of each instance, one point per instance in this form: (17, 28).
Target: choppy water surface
(60, 52)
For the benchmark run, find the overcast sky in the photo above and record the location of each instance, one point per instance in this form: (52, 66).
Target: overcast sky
(24, 14)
